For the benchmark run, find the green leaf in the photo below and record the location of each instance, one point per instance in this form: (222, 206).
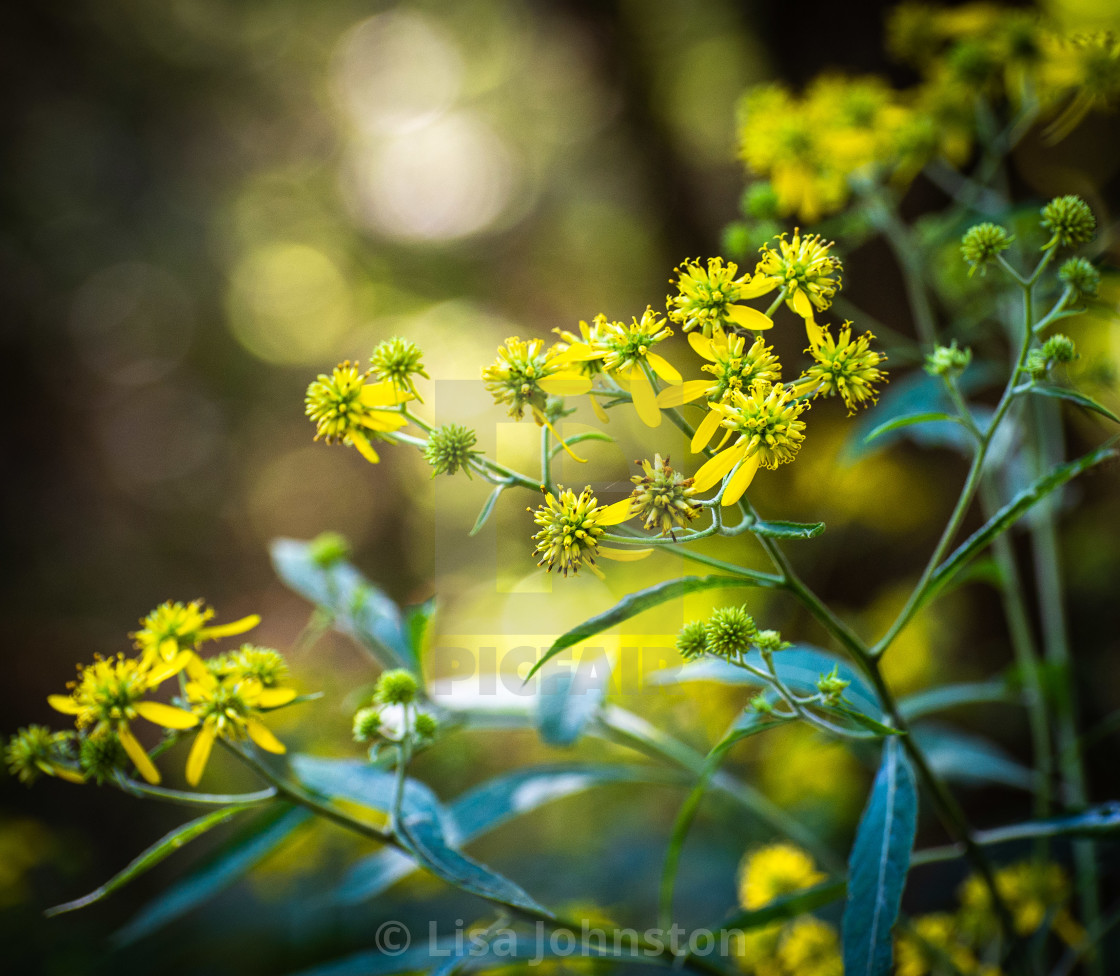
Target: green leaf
(788, 906)
(359, 782)
(879, 863)
(748, 725)
(1063, 393)
(418, 625)
(906, 421)
(1010, 514)
(487, 508)
(1101, 821)
(569, 699)
(787, 530)
(492, 804)
(969, 759)
(642, 600)
(358, 608)
(952, 696)
(165, 846)
(587, 435)
(860, 719)
(226, 867)
(431, 850)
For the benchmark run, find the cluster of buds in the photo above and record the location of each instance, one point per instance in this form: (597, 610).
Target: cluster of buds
(729, 633)
(393, 716)
(1057, 349)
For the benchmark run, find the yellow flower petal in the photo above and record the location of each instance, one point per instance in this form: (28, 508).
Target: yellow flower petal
(228, 630)
(136, 753)
(645, 402)
(565, 384)
(749, 318)
(198, 674)
(69, 775)
(701, 346)
(759, 285)
(384, 421)
(625, 555)
(802, 306)
(712, 471)
(64, 704)
(663, 368)
(674, 396)
(361, 442)
(166, 715)
(615, 514)
(600, 413)
(383, 394)
(706, 431)
(740, 481)
(263, 737)
(169, 669)
(814, 332)
(543, 421)
(200, 753)
(275, 697)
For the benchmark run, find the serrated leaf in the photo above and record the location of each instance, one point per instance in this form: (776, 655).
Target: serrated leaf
(489, 806)
(569, 699)
(1063, 393)
(879, 863)
(357, 607)
(359, 782)
(149, 858)
(799, 666)
(643, 600)
(431, 850)
(1009, 514)
(788, 906)
(222, 870)
(907, 420)
(787, 530)
(969, 759)
(935, 700)
(487, 509)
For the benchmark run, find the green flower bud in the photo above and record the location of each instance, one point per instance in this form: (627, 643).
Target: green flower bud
(35, 750)
(1081, 276)
(425, 726)
(760, 201)
(948, 360)
(396, 687)
(450, 448)
(101, 755)
(731, 630)
(1069, 220)
(761, 704)
(982, 243)
(1059, 349)
(1037, 364)
(831, 685)
(398, 361)
(328, 549)
(972, 63)
(692, 641)
(769, 641)
(367, 723)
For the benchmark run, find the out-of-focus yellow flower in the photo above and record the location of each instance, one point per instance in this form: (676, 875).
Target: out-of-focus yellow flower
(707, 298)
(109, 694)
(570, 527)
(810, 947)
(770, 433)
(1081, 70)
(229, 709)
(1032, 892)
(35, 751)
(805, 271)
(174, 627)
(347, 409)
(774, 871)
(845, 366)
(731, 363)
(931, 939)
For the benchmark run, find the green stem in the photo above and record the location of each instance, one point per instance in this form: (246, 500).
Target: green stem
(906, 253)
(546, 458)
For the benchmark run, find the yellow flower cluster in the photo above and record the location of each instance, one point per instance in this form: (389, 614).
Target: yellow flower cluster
(841, 132)
(221, 697)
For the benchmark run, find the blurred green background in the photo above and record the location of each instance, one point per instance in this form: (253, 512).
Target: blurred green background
(207, 202)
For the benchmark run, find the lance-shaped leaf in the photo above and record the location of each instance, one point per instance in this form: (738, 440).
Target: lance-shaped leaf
(147, 860)
(934, 700)
(570, 698)
(219, 872)
(357, 607)
(487, 509)
(359, 782)
(787, 906)
(787, 530)
(969, 759)
(1083, 401)
(878, 865)
(642, 600)
(1010, 513)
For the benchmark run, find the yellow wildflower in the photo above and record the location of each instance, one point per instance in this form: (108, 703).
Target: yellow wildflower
(174, 627)
(810, 947)
(844, 366)
(36, 750)
(774, 871)
(109, 694)
(570, 527)
(706, 298)
(919, 951)
(345, 408)
(769, 434)
(733, 366)
(229, 709)
(663, 497)
(806, 273)
(1032, 892)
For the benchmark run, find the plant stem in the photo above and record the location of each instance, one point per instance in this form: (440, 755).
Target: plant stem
(902, 245)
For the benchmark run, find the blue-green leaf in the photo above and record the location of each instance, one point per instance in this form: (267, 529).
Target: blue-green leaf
(222, 870)
(1101, 821)
(418, 626)
(487, 509)
(933, 700)
(969, 759)
(859, 718)
(359, 782)
(787, 906)
(569, 699)
(152, 856)
(787, 530)
(906, 421)
(1083, 401)
(642, 600)
(879, 863)
(357, 607)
